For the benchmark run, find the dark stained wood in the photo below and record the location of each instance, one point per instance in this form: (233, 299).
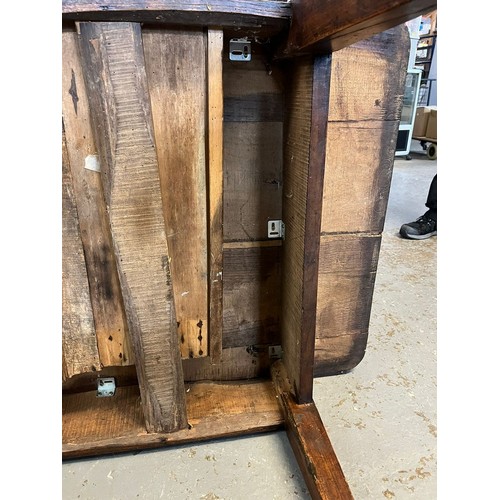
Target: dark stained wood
(330, 25)
(251, 296)
(115, 78)
(215, 140)
(236, 363)
(84, 382)
(347, 271)
(79, 344)
(310, 443)
(361, 140)
(272, 15)
(304, 161)
(253, 153)
(176, 74)
(254, 108)
(105, 293)
(99, 426)
(260, 76)
(253, 169)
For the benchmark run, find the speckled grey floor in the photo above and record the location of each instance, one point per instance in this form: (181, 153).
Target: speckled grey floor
(381, 417)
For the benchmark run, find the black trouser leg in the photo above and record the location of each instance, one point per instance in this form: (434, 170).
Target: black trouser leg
(432, 203)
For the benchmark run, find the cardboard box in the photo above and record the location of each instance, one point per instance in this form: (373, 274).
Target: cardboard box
(421, 120)
(431, 131)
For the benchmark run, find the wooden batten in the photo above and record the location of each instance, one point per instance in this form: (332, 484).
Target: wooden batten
(111, 327)
(115, 78)
(176, 75)
(215, 153)
(79, 345)
(361, 140)
(304, 162)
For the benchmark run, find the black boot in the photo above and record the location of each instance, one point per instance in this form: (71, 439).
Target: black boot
(424, 227)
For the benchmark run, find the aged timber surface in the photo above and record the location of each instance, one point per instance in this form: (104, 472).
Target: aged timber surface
(253, 188)
(361, 140)
(79, 345)
(330, 25)
(113, 63)
(347, 271)
(251, 296)
(253, 153)
(215, 111)
(176, 75)
(96, 426)
(272, 16)
(310, 443)
(105, 293)
(304, 161)
(236, 363)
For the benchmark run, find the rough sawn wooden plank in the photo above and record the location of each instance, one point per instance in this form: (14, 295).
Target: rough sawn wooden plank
(113, 63)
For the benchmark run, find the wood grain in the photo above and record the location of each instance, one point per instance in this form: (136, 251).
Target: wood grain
(358, 182)
(330, 25)
(347, 272)
(238, 245)
(362, 130)
(237, 363)
(215, 106)
(261, 76)
(381, 59)
(264, 107)
(305, 145)
(269, 17)
(79, 345)
(252, 281)
(253, 183)
(105, 294)
(98, 426)
(115, 78)
(84, 382)
(253, 153)
(310, 443)
(361, 140)
(176, 72)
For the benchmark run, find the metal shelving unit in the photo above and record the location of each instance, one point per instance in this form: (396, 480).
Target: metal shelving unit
(425, 52)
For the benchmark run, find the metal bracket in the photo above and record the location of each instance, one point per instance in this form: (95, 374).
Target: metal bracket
(275, 352)
(240, 49)
(106, 387)
(275, 229)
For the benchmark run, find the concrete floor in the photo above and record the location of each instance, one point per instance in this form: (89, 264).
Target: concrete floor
(381, 417)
